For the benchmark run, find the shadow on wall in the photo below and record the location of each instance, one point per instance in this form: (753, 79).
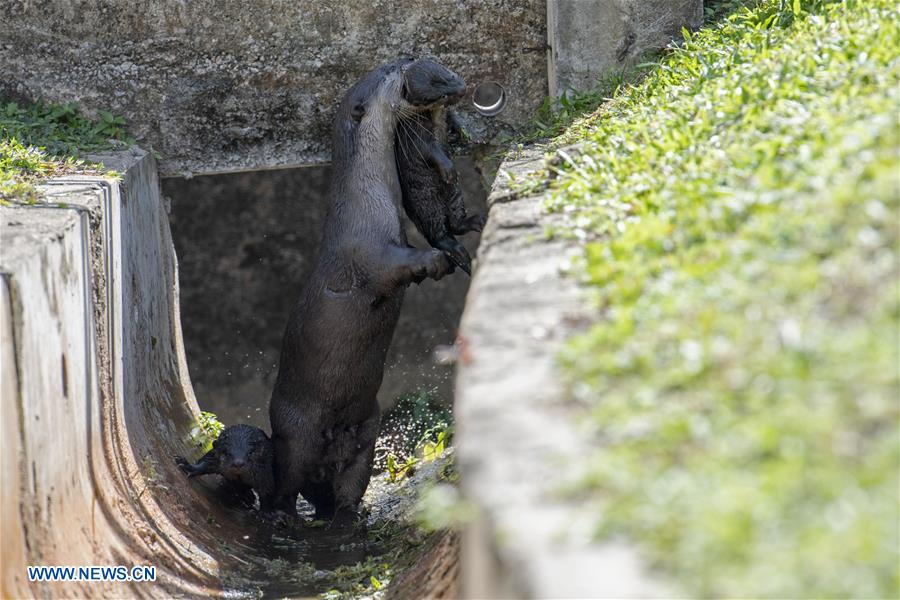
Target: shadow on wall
(245, 243)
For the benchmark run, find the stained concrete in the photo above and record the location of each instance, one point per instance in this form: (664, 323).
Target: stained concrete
(228, 86)
(589, 39)
(49, 381)
(95, 400)
(95, 394)
(246, 243)
(517, 443)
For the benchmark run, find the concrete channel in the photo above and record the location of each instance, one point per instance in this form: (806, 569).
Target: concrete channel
(96, 393)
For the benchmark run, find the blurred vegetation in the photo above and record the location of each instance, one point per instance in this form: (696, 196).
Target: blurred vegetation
(419, 428)
(740, 211)
(41, 141)
(205, 431)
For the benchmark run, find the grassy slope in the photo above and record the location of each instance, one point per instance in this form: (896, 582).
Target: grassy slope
(741, 211)
(45, 140)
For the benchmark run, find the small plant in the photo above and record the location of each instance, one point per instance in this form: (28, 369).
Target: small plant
(404, 427)
(431, 446)
(398, 468)
(205, 431)
(433, 449)
(41, 141)
(149, 468)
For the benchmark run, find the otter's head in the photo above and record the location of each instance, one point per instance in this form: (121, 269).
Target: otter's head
(371, 108)
(240, 448)
(428, 84)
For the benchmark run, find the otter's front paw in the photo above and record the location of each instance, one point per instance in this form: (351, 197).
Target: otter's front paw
(456, 252)
(475, 223)
(446, 172)
(186, 467)
(438, 265)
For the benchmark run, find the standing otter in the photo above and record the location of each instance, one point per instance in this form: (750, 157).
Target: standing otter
(323, 411)
(432, 197)
(243, 455)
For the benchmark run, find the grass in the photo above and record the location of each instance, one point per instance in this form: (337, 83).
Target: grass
(41, 141)
(741, 208)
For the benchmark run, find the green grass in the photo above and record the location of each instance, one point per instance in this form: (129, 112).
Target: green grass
(741, 207)
(46, 140)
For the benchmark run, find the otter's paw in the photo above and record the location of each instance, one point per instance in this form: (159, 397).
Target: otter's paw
(446, 171)
(186, 467)
(456, 252)
(475, 223)
(461, 258)
(438, 265)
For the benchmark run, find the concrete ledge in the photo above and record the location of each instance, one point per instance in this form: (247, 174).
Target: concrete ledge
(50, 372)
(94, 388)
(517, 442)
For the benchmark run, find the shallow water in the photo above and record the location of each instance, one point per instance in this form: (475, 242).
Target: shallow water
(269, 560)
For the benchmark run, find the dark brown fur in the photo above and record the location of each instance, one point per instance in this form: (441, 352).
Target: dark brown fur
(432, 196)
(243, 455)
(323, 411)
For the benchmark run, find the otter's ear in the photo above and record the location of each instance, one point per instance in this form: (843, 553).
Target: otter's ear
(358, 111)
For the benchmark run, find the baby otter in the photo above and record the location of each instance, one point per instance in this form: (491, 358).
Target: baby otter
(432, 197)
(244, 456)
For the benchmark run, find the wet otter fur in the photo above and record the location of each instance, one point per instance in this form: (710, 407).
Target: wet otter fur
(244, 456)
(432, 197)
(323, 411)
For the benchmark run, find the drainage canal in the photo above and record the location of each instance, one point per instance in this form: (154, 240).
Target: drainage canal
(245, 243)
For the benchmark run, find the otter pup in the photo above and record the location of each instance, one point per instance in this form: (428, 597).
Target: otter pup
(432, 196)
(323, 410)
(244, 456)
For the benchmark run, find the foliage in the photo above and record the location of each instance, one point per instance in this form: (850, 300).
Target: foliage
(740, 211)
(556, 116)
(441, 506)
(414, 414)
(418, 428)
(431, 446)
(60, 129)
(45, 140)
(361, 579)
(206, 430)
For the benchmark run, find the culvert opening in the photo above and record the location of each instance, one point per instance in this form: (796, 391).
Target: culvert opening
(489, 98)
(246, 243)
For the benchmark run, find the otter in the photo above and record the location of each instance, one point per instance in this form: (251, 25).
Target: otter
(244, 456)
(432, 196)
(323, 410)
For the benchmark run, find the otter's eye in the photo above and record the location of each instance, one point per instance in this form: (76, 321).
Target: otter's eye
(358, 111)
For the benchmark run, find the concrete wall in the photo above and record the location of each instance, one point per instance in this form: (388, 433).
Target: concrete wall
(223, 86)
(516, 443)
(95, 397)
(95, 400)
(246, 243)
(49, 381)
(589, 39)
